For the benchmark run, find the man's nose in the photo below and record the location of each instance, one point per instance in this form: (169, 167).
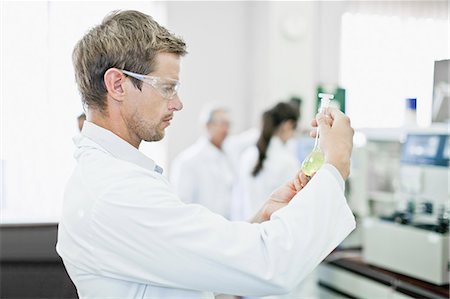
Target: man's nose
(175, 103)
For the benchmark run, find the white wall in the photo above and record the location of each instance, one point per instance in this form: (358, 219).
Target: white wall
(328, 40)
(40, 101)
(265, 51)
(248, 55)
(290, 61)
(242, 54)
(216, 68)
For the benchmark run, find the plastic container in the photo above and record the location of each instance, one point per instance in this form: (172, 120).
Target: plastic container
(410, 117)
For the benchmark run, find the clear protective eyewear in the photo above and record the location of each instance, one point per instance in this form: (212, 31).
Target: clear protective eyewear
(167, 87)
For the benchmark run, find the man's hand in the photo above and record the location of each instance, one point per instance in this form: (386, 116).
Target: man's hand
(336, 139)
(336, 143)
(281, 197)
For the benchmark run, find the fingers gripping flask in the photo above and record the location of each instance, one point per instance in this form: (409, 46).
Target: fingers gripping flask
(315, 159)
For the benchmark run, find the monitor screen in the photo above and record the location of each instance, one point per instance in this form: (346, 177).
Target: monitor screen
(447, 149)
(422, 146)
(441, 91)
(426, 150)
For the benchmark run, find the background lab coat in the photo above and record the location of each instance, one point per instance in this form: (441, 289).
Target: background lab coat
(251, 192)
(202, 174)
(125, 234)
(235, 145)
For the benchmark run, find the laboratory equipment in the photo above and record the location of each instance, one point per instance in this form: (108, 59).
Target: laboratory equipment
(345, 275)
(410, 117)
(374, 180)
(315, 159)
(441, 92)
(414, 240)
(338, 93)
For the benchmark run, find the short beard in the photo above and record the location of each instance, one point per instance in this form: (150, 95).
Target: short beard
(143, 131)
(155, 137)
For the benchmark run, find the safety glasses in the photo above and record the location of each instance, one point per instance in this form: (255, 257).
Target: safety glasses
(168, 88)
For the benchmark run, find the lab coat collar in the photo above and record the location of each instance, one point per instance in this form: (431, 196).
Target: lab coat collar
(116, 146)
(212, 150)
(276, 143)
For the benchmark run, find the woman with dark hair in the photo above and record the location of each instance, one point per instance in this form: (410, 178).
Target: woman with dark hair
(270, 162)
(279, 122)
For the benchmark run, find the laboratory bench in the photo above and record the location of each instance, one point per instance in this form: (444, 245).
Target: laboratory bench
(346, 274)
(29, 264)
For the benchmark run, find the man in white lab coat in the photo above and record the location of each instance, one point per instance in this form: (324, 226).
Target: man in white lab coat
(202, 173)
(125, 234)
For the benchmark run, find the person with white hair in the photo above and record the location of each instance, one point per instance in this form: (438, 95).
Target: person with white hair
(202, 173)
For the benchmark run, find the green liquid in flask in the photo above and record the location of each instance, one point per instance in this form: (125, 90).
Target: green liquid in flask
(315, 159)
(313, 162)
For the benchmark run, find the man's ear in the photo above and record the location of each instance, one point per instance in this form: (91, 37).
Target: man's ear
(114, 80)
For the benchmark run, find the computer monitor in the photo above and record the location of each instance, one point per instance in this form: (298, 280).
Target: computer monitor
(441, 92)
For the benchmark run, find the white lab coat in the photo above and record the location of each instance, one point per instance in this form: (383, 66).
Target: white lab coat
(251, 191)
(236, 144)
(203, 174)
(125, 234)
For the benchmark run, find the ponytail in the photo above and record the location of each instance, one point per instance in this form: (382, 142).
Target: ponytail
(264, 140)
(271, 120)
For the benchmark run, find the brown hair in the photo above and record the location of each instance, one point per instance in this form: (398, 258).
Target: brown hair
(126, 40)
(271, 121)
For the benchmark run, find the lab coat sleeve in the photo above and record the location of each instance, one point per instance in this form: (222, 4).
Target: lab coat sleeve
(156, 239)
(184, 181)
